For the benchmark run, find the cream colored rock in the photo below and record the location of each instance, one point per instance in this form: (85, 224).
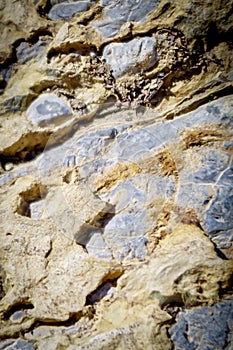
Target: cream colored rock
(179, 272)
(68, 288)
(47, 272)
(72, 205)
(175, 273)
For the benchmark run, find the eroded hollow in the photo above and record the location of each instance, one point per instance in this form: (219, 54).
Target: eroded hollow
(34, 194)
(27, 148)
(106, 288)
(19, 306)
(2, 281)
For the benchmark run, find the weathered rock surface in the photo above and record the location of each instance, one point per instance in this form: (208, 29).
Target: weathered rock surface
(14, 345)
(116, 151)
(117, 13)
(26, 51)
(131, 57)
(48, 109)
(67, 10)
(192, 328)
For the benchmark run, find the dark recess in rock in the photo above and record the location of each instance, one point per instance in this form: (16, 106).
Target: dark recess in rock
(22, 305)
(34, 194)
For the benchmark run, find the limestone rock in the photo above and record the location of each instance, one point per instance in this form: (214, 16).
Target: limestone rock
(119, 12)
(48, 109)
(192, 327)
(26, 52)
(178, 277)
(116, 174)
(16, 23)
(18, 344)
(131, 57)
(67, 10)
(177, 270)
(122, 170)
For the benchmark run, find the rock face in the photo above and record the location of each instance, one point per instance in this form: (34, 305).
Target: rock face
(48, 109)
(131, 57)
(116, 152)
(192, 331)
(118, 13)
(67, 10)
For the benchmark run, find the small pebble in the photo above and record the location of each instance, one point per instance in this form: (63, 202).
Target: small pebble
(18, 316)
(8, 166)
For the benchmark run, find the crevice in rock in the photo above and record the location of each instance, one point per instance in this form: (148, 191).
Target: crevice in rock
(95, 228)
(25, 50)
(78, 48)
(219, 253)
(103, 218)
(73, 318)
(169, 301)
(19, 306)
(100, 292)
(33, 194)
(2, 280)
(43, 7)
(27, 148)
(40, 32)
(8, 66)
(47, 255)
(106, 288)
(226, 293)
(200, 137)
(6, 70)
(173, 308)
(13, 331)
(193, 105)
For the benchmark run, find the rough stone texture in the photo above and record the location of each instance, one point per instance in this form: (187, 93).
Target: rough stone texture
(67, 10)
(15, 345)
(15, 24)
(116, 211)
(192, 330)
(136, 55)
(25, 51)
(48, 109)
(117, 13)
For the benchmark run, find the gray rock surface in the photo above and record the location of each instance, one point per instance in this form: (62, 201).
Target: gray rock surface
(66, 11)
(198, 181)
(195, 187)
(48, 109)
(16, 345)
(119, 12)
(18, 316)
(130, 57)
(54, 2)
(25, 51)
(204, 328)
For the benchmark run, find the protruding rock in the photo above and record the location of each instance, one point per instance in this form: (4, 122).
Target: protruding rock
(204, 328)
(18, 344)
(48, 110)
(120, 12)
(131, 57)
(25, 51)
(67, 11)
